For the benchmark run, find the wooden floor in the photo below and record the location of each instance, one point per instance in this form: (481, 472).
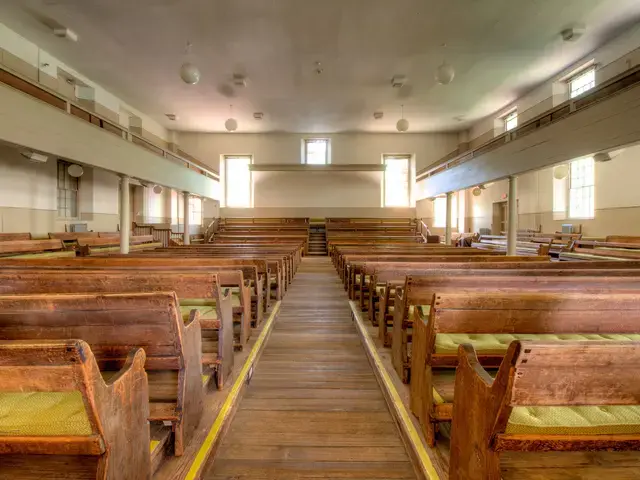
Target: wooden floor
(313, 408)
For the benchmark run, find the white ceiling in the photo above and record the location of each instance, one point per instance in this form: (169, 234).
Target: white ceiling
(499, 48)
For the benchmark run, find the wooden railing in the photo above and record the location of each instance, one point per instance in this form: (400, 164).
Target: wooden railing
(44, 94)
(625, 80)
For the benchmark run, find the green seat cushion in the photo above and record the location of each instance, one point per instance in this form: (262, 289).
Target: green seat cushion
(498, 343)
(589, 420)
(43, 414)
(207, 312)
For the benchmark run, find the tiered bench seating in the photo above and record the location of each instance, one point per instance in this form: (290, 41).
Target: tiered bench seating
(7, 237)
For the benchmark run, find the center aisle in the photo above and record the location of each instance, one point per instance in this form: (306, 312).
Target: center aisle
(313, 407)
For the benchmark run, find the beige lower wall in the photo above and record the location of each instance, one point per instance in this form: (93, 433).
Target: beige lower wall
(40, 222)
(317, 212)
(618, 221)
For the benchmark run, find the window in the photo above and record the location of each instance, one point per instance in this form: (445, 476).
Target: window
(440, 212)
(237, 181)
(582, 82)
(511, 121)
(67, 192)
(316, 151)
(177, 211)
(195, 211)
(581, 191)
(396, 180)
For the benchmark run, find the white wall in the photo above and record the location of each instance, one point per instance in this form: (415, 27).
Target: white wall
(617, 199)
(28, 196)
(318, 193)
(610, 59)
(33, 55)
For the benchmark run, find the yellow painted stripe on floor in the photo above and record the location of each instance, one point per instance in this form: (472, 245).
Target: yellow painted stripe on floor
(423, 456)
(216, 428)
(153, 445)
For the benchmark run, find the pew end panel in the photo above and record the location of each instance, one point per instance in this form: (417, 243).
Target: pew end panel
(106, 432)
(532, 405)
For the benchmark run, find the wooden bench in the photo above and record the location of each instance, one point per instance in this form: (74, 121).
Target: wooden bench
(359, 281)
(111, 324)
(493, 315)
(39, 248)
(593, 250)
(105, 435)
(199, 290)
(593, 382)
(386, 276)
(9, 237)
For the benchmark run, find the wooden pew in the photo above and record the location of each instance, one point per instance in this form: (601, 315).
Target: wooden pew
(109, 439)
(592, 250)
(590, 379)
(9, 237)
(199, 290)
(45, 248)
(388, 276)
(492, 315)
(358, 280)
(111, 324)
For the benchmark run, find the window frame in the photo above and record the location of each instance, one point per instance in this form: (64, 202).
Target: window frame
(512, 115)
(591, 186)
(397, 156)
(585, 71)
(192, 201)
(62, 168)
(226, 158)
(307, 141)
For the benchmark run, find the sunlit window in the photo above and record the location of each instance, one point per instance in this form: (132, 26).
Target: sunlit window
(396, 180)
(195, 211)
(581, 191)
(238, 181)
(511, 121)
(582, 82)
(440, 212)
(316, 151)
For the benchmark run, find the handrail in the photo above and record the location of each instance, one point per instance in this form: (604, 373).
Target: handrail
(423, 228)
(615, 85)
(51, 97)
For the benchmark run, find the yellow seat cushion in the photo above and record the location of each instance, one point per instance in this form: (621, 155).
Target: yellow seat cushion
(589, 420)
(380, 290)
(358, 278)
(43, 414)
(207, 312)
(498, 343)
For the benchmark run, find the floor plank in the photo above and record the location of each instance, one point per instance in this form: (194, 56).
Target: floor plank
(312, 394)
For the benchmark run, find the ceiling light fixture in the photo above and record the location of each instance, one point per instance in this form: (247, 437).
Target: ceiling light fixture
(189, 73)
(561, 172)
(445, 72)
(231, 124)
(378, 115)
(258, 115)
(75, 170)
(403, 124)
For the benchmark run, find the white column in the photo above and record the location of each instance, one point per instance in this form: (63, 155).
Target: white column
(447, 231)
(186, 237)
(125, 214)
(512, 222)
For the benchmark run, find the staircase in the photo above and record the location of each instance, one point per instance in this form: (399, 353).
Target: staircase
(317, 240)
